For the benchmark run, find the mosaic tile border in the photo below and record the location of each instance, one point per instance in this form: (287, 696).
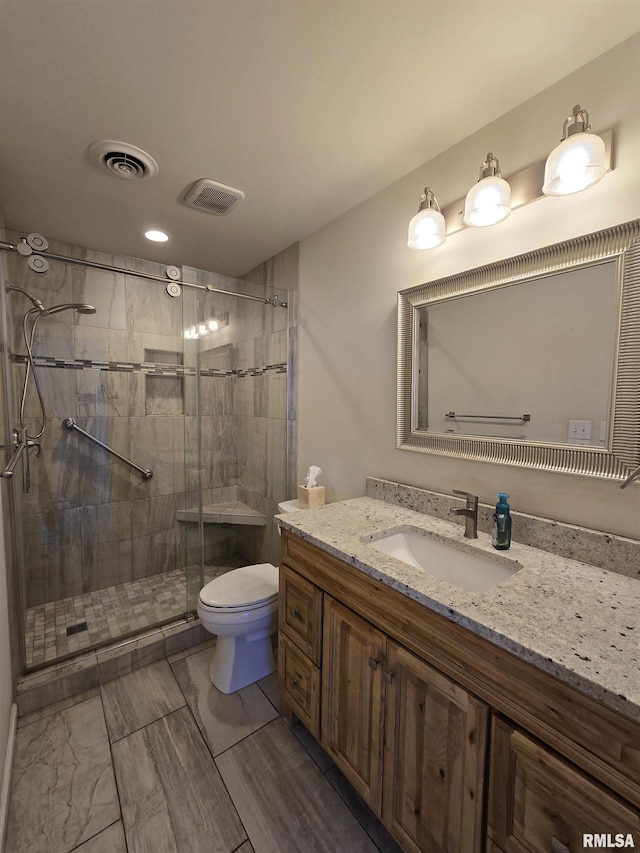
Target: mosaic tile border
(146, 367)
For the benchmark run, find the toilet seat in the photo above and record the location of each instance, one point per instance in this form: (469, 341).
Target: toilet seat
(239, 590)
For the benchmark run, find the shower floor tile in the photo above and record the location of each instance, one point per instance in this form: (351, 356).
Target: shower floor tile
(113, 612)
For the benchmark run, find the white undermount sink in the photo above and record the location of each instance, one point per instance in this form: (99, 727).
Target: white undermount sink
(457, 563)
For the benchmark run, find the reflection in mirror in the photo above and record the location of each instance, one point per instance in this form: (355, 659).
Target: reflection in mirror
(532, 361)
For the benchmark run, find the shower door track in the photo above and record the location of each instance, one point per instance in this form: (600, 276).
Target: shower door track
(274, 301)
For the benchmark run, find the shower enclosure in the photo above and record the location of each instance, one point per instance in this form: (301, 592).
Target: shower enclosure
(145, 438)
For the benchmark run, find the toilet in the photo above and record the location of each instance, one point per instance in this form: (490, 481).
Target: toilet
(241, 609)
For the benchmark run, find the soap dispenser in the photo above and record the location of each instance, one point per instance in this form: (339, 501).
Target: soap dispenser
(501, 533)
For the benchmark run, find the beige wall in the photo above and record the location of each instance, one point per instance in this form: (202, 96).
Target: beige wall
(351, 270)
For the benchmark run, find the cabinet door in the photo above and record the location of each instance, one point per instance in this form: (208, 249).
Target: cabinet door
(434, 759)
(352, 699)
(538, 803)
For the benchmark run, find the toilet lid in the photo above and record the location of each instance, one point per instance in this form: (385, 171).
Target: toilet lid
(245, 587)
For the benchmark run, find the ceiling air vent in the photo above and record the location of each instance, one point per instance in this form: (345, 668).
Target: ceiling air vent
(124, 160)
(213, 197)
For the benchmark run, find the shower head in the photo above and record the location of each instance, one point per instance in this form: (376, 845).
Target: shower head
(80, 307)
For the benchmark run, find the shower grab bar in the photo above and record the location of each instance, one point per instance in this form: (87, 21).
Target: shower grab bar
(70, 424)
(523, 418)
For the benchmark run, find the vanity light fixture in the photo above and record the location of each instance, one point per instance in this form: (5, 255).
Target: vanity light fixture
(205, 327)
(426, 229)
(578, 162)
(489, 201)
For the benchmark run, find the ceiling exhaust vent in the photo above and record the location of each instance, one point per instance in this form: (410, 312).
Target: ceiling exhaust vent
(213, 197)
(124, 160)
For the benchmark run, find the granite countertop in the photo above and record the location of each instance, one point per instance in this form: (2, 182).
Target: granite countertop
(576, 622)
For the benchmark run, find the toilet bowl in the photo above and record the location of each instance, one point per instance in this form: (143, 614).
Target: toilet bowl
(241, 608)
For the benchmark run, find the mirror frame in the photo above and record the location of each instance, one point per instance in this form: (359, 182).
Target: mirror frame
(621, 243)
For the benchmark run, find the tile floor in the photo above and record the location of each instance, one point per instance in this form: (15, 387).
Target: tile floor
(160, 761)
(114, 612)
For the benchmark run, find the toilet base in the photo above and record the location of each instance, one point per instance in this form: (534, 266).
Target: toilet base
(240, 661)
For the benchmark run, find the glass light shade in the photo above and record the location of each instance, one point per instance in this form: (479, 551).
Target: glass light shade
(426, 229)
(576, 164)
(213, 325)
(488, 202)
(156, 236)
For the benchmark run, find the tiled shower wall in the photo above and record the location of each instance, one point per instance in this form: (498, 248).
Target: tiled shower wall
(253, 421)
(90, 522)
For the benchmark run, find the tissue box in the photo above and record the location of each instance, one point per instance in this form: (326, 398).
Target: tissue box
(310, 497)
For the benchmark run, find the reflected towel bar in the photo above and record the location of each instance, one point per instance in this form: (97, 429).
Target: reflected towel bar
(70, 424)
(523, 418)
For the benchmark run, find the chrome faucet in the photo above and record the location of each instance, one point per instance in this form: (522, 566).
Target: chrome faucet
(470, 512)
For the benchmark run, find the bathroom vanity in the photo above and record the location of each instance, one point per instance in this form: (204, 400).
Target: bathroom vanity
(505, 720)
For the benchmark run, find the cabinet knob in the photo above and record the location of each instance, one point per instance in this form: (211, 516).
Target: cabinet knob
(388, 676)
(294, 614)
(557, 846)
(373, 663)
(294, 682)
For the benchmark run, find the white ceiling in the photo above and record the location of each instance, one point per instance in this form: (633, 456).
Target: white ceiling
(308, 106)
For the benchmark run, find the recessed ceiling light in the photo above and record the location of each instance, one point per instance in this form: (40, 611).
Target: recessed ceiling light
(156, 236)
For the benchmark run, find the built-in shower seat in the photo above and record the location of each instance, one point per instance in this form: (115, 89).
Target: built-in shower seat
(225, 512)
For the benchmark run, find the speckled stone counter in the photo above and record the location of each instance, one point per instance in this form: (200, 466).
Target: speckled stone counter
(575, 621)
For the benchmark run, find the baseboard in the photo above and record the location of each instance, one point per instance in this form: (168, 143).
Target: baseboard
(6, 774)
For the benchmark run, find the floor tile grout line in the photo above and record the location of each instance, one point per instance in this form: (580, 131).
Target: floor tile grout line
(115, 775)
(96, 834)
(146, 725)
(217, 769)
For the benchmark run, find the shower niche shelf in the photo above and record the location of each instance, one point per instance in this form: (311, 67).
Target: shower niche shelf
(226, 512)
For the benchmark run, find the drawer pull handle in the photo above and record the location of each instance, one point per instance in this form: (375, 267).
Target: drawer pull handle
(294, 614)
(388, 677)
(557, 846)
(294, 682)
(373, 663)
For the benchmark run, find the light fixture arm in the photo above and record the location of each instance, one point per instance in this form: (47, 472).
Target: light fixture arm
(490, 168)
(428, 201)
(577, 122)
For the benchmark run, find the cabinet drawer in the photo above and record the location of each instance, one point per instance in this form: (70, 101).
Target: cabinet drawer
(299, 681)
(300, 613)
(539, 803)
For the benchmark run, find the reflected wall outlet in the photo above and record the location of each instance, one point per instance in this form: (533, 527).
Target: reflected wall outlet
(579, 431)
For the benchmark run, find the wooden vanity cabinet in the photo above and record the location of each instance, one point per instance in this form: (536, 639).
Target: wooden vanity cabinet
(402, 699)
(352, 699)
(434, 758)
(539, 803)
(299, 648)
(410, 741)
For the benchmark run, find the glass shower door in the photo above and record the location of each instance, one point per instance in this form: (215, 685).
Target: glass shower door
(104, 557)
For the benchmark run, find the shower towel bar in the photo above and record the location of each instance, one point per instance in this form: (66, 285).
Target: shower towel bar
(70, 424)
(523, 418)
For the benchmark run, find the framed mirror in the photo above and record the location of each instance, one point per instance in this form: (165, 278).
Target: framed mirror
(532, 361)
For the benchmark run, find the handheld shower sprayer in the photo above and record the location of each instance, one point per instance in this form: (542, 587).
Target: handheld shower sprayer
(35, 314)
